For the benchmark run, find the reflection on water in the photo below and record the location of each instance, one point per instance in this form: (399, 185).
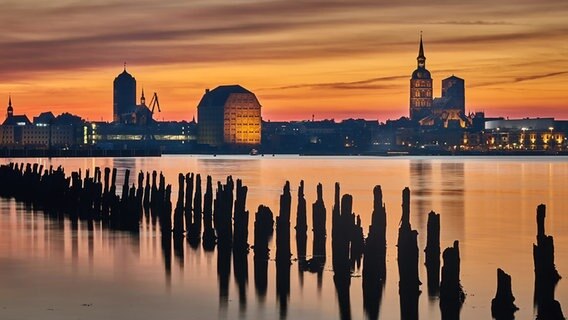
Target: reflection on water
(92, 272)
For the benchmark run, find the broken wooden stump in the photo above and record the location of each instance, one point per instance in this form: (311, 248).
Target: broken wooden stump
(179, 209)
(319, 214)
(451, 293)
(195, 229)
(263, 229)
(188, 207)
(209, 237)
(241, 219)
(407, 253)
(283, 253)
(433, 253)
(374, 257)
(546, 275)
(503, 305)
(301, 223)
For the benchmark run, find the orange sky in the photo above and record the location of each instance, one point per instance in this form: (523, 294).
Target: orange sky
(334, 59)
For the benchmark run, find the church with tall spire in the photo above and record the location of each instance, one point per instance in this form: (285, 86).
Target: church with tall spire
(420, 88)
(446, 111)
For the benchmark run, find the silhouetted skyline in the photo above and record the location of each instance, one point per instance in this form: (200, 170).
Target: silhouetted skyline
(352, 59)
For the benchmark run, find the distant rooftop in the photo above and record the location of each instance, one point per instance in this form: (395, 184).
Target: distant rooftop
(219, 95)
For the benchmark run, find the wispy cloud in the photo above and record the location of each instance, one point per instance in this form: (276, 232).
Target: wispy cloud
(59, 35)
(540, 76)
(359, 84)
(474, 23)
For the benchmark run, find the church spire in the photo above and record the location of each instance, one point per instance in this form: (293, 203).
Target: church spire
(143, 98)
(421, 57)
(10, 109)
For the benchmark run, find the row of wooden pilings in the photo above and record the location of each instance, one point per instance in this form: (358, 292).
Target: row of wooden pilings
(221, 219)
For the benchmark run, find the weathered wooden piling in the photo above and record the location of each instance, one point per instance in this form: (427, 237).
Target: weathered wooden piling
(451, 293)
(357, 242)
(195, 229)
(179, 210)
(301, 231)
(407, 253)
(188, 208)
(241, 219)
(283, 253)
(432, 251)
(317, 262)
(166, 212)
(154, 198)
(147, 188)
(139, 191)
(374, 258)
(546, 275)
(301, 223)
(209, 237)
(263, 229)
(319, 214)
(503, 305)
(223, 212)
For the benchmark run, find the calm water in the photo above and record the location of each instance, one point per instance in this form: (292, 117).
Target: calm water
(50, 269)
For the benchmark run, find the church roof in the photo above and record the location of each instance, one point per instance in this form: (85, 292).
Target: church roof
(17, 120)
(453, 77)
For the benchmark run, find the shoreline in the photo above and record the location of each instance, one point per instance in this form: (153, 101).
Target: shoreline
(5, 154)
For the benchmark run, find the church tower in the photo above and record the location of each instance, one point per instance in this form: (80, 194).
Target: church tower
(124, 96)
(420, 88)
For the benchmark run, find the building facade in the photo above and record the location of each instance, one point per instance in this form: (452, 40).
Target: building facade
(45, 132)
(229, 115)
(420, 88)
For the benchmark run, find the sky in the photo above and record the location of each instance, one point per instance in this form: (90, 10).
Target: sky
(330, 59)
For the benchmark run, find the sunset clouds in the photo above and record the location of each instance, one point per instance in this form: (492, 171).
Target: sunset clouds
(328, 58)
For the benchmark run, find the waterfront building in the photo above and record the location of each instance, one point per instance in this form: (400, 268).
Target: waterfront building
(229, 115)
(526, 134)
(45, 132)
(174, 137)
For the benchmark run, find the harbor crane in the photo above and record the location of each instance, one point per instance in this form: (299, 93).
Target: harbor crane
(154, 102)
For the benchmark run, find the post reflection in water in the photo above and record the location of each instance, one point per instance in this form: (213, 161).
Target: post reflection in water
(261, 278)
(224, 275)
(438, 186)
(240, 270)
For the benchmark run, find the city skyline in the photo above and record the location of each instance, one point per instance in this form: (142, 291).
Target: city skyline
(352, 59)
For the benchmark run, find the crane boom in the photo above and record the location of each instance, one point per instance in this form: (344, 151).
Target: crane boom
(155, 103)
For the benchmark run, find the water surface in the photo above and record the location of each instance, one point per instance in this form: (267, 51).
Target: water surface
(53, 269)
